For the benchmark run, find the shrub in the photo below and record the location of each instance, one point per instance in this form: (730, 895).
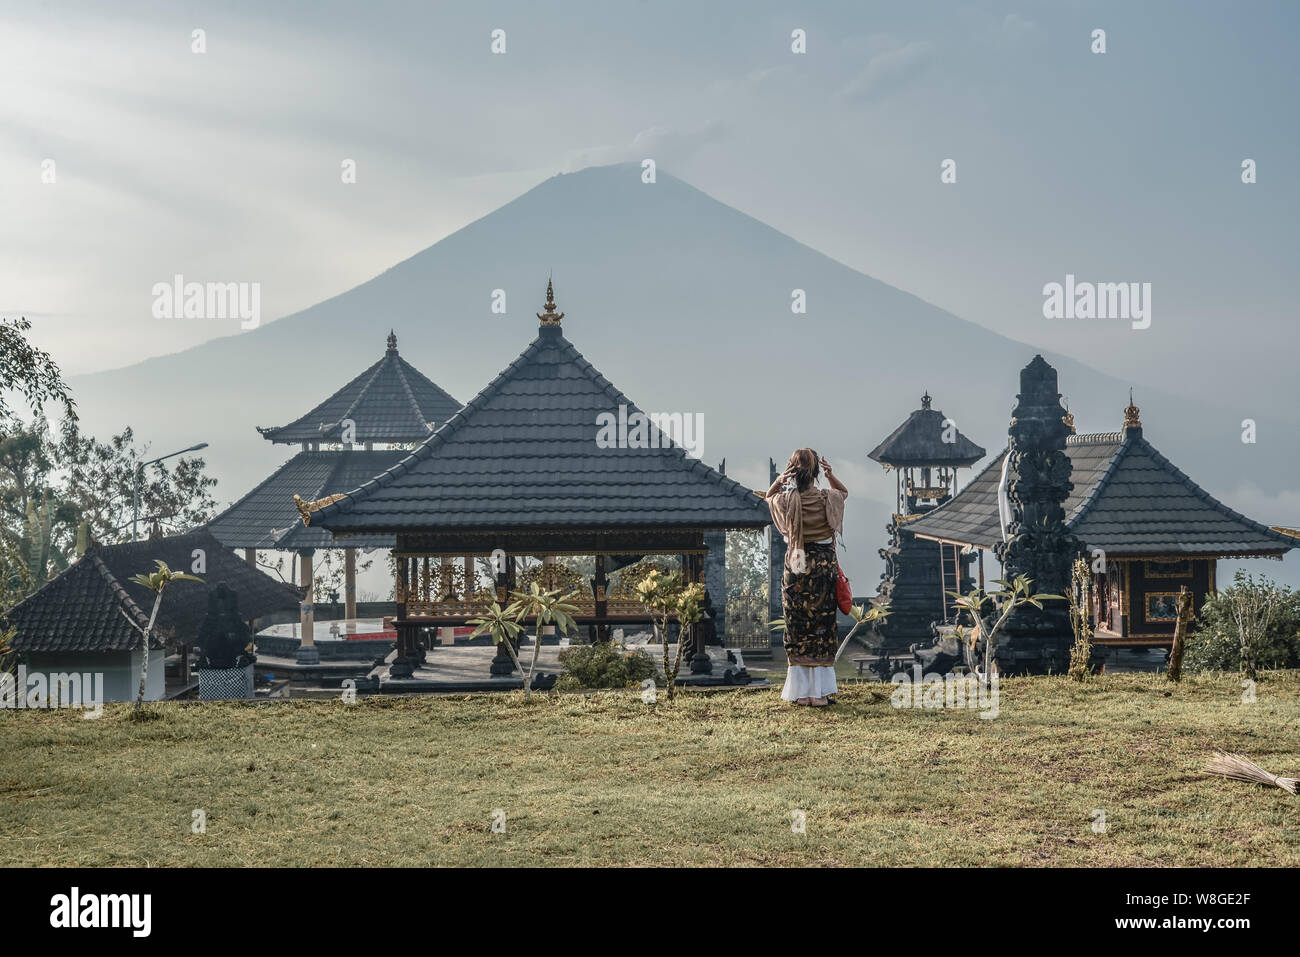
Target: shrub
(1270, 614)
(604, 665)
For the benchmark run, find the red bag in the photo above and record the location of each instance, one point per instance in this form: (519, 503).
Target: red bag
(843, 592)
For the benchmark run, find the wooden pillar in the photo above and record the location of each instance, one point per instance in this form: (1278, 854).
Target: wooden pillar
(307, 610)
(446, 635)
(601, 599)
(502, 664)
(546, 629)
(308, 654)
(350, 587)
(250, 556)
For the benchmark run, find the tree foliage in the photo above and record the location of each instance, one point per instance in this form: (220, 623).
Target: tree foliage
(30, 371)
(60, 489)
(1253, 624)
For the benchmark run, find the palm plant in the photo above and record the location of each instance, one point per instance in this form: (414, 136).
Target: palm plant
(156, 582)
(502, 625)
(669, 596)
(989, 611)
(546, 608)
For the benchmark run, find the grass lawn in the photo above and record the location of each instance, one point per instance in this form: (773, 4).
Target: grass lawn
(603, 779)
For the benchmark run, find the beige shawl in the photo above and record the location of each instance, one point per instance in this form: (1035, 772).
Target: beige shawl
(787, 513)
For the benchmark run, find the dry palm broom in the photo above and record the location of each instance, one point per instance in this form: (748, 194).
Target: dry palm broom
(1239, 768)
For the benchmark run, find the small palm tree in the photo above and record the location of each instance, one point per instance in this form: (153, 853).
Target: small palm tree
(546, 608)
(500, 623)
(671, 596)
(156, 582)
(999, 605)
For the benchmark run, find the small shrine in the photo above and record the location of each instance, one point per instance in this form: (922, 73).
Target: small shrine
(1147, 529)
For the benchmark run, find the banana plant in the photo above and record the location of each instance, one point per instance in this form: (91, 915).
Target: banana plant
(156, 582)
(39, 546)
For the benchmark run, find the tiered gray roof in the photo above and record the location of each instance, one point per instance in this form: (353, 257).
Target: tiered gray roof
(919, 441)
(86, 607)
(1127, 499)
(392, 401)
(523, 453)
(267, 518)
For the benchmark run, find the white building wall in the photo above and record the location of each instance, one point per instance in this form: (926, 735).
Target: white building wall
(121, 670)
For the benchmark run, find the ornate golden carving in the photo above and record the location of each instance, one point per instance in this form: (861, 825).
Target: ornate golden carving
(549, 316)
(305, 508)
(1131, 420)
(628, 578)
(552, 576)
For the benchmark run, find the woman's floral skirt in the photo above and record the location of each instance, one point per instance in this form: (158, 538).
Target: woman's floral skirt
(808, 599)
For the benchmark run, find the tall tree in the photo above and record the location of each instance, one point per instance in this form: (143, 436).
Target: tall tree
(29, 370)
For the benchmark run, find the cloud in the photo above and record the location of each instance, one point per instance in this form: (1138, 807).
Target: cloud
(664, 144)
(1279, 508)
(891, 70)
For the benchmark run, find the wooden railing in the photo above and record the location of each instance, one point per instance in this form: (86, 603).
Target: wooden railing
(437, 587)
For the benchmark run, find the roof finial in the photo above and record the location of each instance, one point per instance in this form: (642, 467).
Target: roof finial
(549, 316)
(925, 400)
(1068, 418)
(1131, 420)
(392, 341)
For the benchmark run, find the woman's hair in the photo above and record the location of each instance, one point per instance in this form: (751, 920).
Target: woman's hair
(806, 468)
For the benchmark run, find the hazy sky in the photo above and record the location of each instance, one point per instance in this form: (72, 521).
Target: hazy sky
(225, 165)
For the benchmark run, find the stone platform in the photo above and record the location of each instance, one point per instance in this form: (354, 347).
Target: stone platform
(466, 668)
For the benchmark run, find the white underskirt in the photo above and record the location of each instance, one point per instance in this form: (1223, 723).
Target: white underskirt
(808, 681)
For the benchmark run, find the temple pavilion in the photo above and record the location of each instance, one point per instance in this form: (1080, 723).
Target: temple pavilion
(1146, 526)
(519, 477)
(389, 404)
(925, 453)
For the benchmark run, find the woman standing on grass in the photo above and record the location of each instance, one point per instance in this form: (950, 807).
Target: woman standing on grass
(809, 518)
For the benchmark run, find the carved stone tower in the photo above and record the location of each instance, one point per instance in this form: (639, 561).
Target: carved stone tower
(1036, 543)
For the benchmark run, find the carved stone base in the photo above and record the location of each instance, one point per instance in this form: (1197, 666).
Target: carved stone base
(307, 655)
(401, 668)
(701, 664)
(502, 665)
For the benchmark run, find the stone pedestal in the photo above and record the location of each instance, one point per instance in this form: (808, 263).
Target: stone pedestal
(502, 665)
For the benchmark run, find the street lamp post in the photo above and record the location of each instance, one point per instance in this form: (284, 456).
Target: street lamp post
(139, 470)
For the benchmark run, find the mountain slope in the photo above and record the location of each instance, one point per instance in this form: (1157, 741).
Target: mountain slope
(685, 304)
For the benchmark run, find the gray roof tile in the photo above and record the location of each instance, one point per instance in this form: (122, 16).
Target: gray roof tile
(1127, 499)
(83, 608)
(523, 453)
(267, 518)
(392, 401)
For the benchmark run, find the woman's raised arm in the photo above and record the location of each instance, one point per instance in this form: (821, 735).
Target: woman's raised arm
(835, 483)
